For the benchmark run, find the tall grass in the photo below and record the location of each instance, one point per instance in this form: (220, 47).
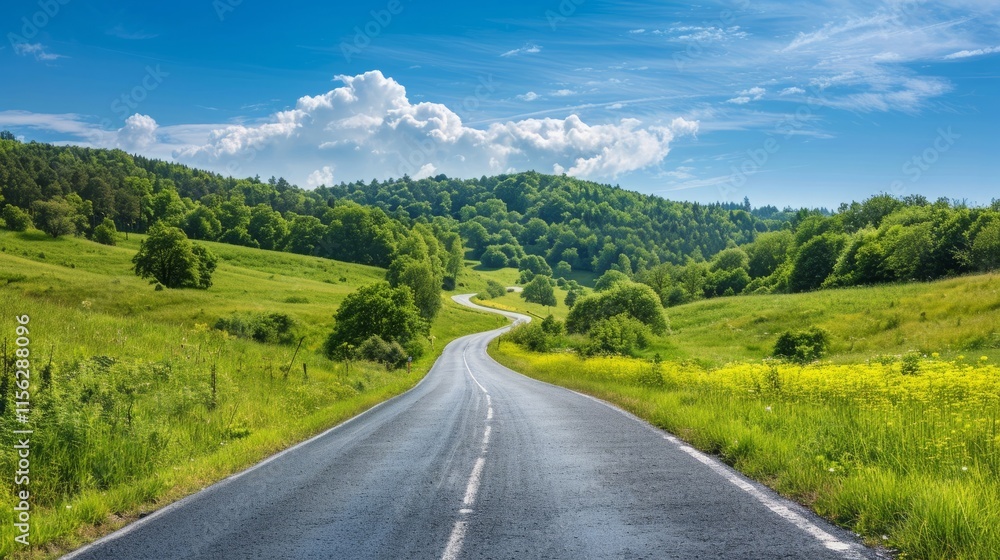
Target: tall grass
(907, 461)
(144, 402)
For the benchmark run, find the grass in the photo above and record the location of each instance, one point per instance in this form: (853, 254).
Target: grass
(904, 452)
(145, 402)
(951, 317)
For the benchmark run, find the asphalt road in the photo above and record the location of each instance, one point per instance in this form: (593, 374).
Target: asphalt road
(480, 462)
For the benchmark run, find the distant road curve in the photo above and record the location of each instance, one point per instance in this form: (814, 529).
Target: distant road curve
(477, 461)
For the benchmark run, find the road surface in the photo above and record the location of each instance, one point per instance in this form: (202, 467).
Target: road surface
(480, 462)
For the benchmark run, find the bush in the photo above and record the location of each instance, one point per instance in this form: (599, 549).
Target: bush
(390, 354)
(552, 326)
(270, 328)
(621, 334)
(494, 289)
(636, 300)
(493, 258)
(375, 310)
(106, 233)
(802, 346)
(530, 336)
(15, 218)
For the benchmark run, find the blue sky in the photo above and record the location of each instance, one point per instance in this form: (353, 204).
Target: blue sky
(786, 105)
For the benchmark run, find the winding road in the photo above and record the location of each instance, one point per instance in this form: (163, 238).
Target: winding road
(478, 461)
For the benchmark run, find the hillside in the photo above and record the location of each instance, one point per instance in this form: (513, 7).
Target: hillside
(138, 400)
(892, 434)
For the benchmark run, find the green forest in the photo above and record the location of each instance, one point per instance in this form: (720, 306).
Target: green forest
(421, 230)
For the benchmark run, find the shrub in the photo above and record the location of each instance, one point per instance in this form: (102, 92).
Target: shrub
(552, 326)
(530, 336)
(621, 334)
(106, 233)
(493, 258)
(272, 328)
(15, 218)
(494, 289)
(375, 310)
(910, 364)
(636, 300)
(390, 354)
(168, 257)
(802, 346)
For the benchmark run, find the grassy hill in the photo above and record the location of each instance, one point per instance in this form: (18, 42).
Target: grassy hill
(951, 317)
(137, 400)
(893, 435)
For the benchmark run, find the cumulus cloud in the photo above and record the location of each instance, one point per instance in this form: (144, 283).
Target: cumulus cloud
(319, 177)
(370, 128)
(530, 96)
(971, 53)
(563, 92)
(791, 91)
(139, 133)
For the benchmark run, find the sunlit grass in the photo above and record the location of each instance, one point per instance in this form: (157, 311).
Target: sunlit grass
(128, 420)
(908, 461)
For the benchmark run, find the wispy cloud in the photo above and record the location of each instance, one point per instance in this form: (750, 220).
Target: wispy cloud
(37, 50)
(122, 33)
(527, 49)
(971, 53)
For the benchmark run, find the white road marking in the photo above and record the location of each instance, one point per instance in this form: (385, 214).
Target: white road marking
(472, 488)
(454, 542)
(828, 540)
(775, 505)
(457, 538)
(468, 369)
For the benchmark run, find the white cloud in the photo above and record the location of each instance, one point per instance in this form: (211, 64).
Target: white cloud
(968, 53)
(637, 31)
(370, 128)
(830, 30)
(530, 96)
(791, 91)
(748, 95)
(37, 50)
(563, 92)
(139, 133)
(616, 106)
(527, 49)
(319, 177)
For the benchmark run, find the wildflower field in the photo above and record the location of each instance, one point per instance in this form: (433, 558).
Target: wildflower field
(904, 452)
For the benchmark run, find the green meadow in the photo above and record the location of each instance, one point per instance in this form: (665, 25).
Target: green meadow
(137, 400)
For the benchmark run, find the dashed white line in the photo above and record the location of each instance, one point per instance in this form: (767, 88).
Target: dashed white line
(472, 488)
(457, 537)
(454, 542)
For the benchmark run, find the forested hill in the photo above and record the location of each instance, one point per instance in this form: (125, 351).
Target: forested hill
(585, 224)
(541, 224)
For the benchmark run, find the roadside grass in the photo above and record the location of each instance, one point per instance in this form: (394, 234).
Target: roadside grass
(907, 461)
(138, 401)
(952, 317)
